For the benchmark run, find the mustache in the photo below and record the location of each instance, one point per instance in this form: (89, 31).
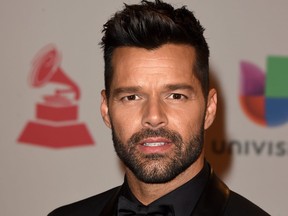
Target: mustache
(174, 136)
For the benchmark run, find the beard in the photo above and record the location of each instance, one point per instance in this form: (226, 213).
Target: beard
(156, 167)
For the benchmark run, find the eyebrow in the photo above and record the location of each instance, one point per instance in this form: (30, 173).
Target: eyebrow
(181, 86)
(121, 90)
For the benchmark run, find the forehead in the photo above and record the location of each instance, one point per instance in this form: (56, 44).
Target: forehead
(169, 61)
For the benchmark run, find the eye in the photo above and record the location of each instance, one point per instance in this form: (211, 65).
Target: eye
(131, 98)
(177, 96)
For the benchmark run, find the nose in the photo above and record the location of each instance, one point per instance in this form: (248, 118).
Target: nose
(154, 114)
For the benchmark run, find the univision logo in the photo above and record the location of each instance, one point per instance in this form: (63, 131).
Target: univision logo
(264, 98)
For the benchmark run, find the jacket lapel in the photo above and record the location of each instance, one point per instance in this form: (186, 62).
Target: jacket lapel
(111, 206)
(214, 198)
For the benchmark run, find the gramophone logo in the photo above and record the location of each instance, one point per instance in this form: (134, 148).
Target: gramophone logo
(264, 98)
(56, 124)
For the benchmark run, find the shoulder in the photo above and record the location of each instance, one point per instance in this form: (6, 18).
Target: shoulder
(89, 206)
(238, 205)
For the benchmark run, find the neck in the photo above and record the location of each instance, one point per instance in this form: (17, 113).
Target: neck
(147, 193)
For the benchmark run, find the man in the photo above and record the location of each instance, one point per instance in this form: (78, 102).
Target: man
(157, 103)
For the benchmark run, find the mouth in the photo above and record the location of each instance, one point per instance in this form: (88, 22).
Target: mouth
(155, 145)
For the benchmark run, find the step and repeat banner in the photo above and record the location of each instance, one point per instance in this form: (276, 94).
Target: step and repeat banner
(54, 147)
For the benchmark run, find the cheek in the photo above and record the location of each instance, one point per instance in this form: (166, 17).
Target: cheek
(187, 122)
(125, 123)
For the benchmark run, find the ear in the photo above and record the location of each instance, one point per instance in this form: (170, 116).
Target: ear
(104, 109)
(211, 108)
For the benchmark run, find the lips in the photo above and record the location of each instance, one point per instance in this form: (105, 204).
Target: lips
(155, 145)
(155, 141)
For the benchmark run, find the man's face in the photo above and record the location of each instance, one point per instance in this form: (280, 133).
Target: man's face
(157, 111)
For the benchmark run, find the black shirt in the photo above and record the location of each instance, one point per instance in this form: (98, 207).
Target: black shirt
(183, 198)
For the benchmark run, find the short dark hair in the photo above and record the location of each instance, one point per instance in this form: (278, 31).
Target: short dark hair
(152, 24)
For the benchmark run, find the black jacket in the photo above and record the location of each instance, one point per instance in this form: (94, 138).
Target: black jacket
(215, 200)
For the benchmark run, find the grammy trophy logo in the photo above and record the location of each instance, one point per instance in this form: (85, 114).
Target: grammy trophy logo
(56, 124)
